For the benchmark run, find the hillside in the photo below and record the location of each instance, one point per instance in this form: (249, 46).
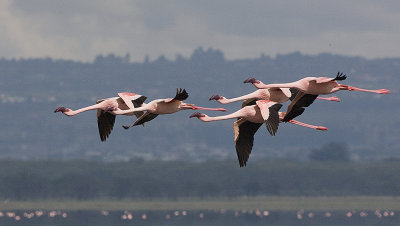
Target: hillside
(30, 90)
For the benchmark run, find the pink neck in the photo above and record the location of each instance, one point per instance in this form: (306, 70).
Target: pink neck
(71, 113)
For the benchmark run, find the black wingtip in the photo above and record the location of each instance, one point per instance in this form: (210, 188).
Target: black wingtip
(340, 76)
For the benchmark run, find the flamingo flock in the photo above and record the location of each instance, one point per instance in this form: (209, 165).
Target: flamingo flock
(259, 107)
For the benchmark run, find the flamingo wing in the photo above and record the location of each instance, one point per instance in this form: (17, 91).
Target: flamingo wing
(105, 124)
(270, 113)
(133, 100)
(298, 106)
(249, 102)
(181, 95)
(144, 118)
(137, 102)
(129, 98)
(244, 139)
(339, 77)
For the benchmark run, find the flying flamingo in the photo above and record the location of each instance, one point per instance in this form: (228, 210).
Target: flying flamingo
(105, 108)
(278, 95)
(250, 118)
(163, 106)
(308, 90)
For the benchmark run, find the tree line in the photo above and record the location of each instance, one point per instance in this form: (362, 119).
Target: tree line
(156, 179)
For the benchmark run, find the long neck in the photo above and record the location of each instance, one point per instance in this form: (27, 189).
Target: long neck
(252, 95)
(144, 107)
(261, 85)
(92, 107)
(223, 117)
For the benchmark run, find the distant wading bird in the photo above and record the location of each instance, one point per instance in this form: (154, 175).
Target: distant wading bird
(162, 106)
(306, 90)
(250, 118)
(105, 108)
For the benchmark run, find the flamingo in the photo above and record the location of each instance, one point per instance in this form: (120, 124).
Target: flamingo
(250, 118)
(306, 90)
(163, 106)
(105, 108)
(278, 95)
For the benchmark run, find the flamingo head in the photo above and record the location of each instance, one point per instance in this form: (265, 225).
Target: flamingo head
(110, 109)
(197, 115)
(215, 97)
(251, 80)
(62, 110)
(321, 128)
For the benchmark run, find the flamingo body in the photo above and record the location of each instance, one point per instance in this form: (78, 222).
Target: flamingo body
(105, 108)
(307, 89)
(250, 118)
(163, 106)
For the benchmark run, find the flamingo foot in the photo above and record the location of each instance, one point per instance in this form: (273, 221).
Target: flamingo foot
(197, 115)
(215, 97)
(334, 98)
(62, 110)
(321, 128)
(251, 80)
(383, 91)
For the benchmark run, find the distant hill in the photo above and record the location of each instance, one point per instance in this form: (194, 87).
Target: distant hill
(30, 90)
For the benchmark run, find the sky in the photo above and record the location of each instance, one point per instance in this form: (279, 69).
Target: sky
(82, 29)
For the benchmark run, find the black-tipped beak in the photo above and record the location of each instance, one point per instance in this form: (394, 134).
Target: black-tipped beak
(215, 97)
(60, 109)
(251, 80)
(196, 114)
(110, 109)
(126, 127)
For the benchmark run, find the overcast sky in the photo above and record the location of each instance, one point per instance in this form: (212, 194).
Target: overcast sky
(82, 29)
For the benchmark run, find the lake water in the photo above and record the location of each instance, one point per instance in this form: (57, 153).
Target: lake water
(201, 218)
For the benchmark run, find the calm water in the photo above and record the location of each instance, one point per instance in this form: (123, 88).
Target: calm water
(222, 217)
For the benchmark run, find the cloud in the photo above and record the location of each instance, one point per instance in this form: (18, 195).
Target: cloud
(81, 29)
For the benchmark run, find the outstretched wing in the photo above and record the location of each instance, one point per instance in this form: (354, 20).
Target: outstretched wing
(339, 77)
(270, 113)
(105, 123)
(248, 102)
(298, 106)
(137, 102)
(144, 118)
(244, 139)
(181, 94)
(133, 100)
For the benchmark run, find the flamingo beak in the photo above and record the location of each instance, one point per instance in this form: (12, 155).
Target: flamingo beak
(61, 109)
(251, 80)
(215, 97)
(197, 115)
(110, 109)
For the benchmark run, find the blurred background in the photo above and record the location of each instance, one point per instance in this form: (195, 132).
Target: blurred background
(57, 53)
